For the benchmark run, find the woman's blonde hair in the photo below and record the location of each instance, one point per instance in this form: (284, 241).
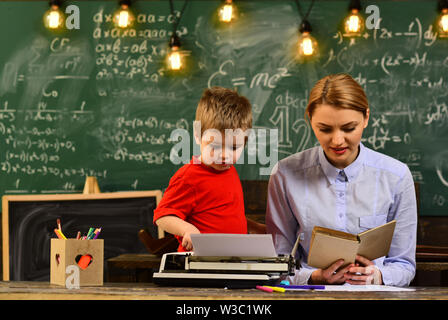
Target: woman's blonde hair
(338, 90)
(221, 108)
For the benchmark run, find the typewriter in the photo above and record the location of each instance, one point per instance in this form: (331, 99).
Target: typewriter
(188, 269)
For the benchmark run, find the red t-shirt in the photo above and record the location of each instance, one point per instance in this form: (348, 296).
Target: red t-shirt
(209, 199)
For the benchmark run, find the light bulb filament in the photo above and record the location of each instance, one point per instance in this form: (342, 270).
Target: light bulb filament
(444, 23)
(53, 19)
(226, 13)
(307, 46)
(175, 62)
(123, 19)
(353, 24)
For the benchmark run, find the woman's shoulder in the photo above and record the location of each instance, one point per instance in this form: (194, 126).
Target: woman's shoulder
(300, 161)
(385, 162)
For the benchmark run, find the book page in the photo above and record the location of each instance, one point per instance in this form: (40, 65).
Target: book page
(326, 249)
(375, 243)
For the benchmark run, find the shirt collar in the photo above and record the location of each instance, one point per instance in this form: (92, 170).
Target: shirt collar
(351, 171)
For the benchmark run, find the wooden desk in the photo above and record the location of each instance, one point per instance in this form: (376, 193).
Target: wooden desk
(132, 267)
(140, 291)
(140, 267)
(135, 261)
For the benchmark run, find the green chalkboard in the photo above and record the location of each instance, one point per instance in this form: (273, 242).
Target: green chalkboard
(98, 101)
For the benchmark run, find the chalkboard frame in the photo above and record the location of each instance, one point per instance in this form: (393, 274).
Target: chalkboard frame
(7, 199)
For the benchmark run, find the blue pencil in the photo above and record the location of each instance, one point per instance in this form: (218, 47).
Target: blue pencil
(308, 287)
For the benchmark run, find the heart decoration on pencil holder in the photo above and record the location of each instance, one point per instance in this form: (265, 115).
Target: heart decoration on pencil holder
(84, 261)
(87, 256)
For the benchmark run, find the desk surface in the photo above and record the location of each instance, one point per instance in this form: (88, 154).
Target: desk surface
(17, 290)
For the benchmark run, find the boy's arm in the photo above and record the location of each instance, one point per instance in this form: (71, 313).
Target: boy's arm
(178, 227)
(254, 227)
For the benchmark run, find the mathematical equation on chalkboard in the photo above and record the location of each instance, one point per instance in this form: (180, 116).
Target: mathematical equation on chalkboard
(102, 103)
(37, 143)
(130, 53)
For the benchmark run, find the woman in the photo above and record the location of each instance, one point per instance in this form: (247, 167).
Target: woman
(343, 185)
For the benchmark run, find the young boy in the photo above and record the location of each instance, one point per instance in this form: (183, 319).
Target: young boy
(205, 196)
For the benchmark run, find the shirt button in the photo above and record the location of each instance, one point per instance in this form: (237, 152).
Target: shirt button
(341, 194)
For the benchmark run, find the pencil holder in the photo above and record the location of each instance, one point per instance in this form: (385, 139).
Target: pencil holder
(77, 258)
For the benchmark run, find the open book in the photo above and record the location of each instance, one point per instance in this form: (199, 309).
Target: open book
(328, 245)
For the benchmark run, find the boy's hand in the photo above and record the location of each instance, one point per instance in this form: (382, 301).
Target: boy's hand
(178, 227)
(186, 237)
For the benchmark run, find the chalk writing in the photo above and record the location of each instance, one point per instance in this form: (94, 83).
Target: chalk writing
(261, 79)
(99, 101)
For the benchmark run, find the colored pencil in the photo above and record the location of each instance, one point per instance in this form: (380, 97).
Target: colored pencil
(97, 233)
(59, 234)
(265, 289)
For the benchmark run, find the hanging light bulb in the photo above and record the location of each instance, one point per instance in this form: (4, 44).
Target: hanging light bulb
(442, 22)
(307, 46)
(354, 22)
(175, 62)
(174, 58)
(123, 17)
(227, 12)
(54, 17)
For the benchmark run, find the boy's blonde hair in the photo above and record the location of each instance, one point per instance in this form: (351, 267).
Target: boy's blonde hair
(221, 108)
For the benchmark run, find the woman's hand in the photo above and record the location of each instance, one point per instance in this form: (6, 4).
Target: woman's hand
(334, 274)
(368, 273)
